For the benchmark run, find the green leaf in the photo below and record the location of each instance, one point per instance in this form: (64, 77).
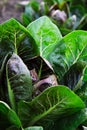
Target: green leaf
(12, 37)
(80, 12)
(8, 117)
(83, 23)
(52, 104)
(70, 122)
(3, 89)
(34, 128)
(59, 2)
(31, 13)
(82, 90)
(35, 4)
(19, 80)
(73, 76)
(71, 49)
(44, 32)
(27, 49)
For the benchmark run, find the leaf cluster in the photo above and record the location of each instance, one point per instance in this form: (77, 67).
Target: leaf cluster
(43, 77)
(68, 15)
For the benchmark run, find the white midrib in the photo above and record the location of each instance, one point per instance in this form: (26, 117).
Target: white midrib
(41, 45)
(45, 113)
(79, 54)
(15, 44)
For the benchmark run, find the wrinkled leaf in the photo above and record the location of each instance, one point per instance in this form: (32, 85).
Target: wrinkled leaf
(27, 49)
(12, 35)
(73, 77)
(70, 122)
(54, 103)
(8, 117)
(44, 32)
(72, 48)
(18, 79)
(82, 91)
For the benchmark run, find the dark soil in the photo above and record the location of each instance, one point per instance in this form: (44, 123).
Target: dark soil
(10, 9)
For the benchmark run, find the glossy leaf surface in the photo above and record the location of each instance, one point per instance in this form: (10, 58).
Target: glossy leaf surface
(12, 37)
(44, 32)
(19, 80)
(82, 90)
(8, 117)
(71, 122)
(73, 77)
(53, 103)
(71, 49)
